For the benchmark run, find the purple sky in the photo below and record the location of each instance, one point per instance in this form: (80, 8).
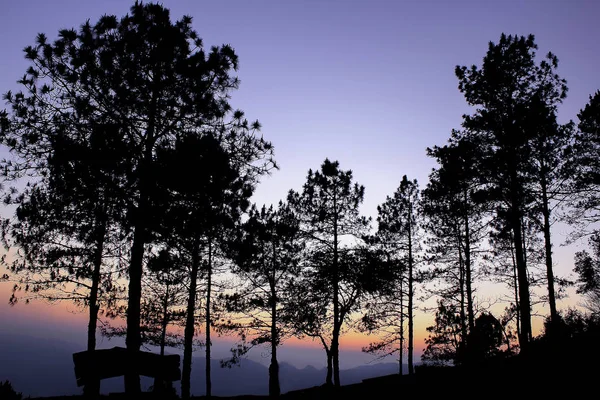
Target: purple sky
(368, 83)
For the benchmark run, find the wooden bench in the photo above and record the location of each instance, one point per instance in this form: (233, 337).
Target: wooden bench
(93, 366)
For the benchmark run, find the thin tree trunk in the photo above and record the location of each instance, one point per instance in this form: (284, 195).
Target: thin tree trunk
(165, 321)
(133, 340)
(516, 286)
(400, 358)
(411, 368)
(463, 316)
(524, 301)
(335, 342)
(190, 323)
(208, 342)
(548, 249)
(468, 270)
(274, 388)
(159, 382)
(92, 389)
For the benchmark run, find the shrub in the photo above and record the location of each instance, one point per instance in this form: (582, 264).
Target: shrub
(8, 393)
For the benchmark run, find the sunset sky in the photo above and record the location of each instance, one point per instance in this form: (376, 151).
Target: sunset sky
(368, 83)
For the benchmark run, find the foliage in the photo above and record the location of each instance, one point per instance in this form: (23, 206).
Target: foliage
(583, 167)
(330, 221)
(7, 392)
(396, 243)
(442, 345)
(445, 345)
(267, 259)
(587, 267)
(513, 96)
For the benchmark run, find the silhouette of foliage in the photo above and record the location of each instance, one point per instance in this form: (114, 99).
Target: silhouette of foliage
(397, 239)
(583, 166)
(444, 341)
(148, 81)
(457, 223)
(328, 210)
(587, 267)
(7, 392)
(505, 90)
(267, 258)
(201, 213)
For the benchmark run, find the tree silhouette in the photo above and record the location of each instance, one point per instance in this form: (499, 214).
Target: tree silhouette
(67, 167)
(328, 209)
(456, 223)
(504, 90)
(267, 258)
(163, 296)
(397, 239)
(400, 215)
(587, 267)
(583, 165)
(549, 142)
(203, 209)
(150, 80)
(445, 336)
(385, 309)
(8, 392)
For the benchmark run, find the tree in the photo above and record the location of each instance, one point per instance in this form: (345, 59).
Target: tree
(401, 214)
(8, 392)
(162, 307)
(445, 336)
(398, 238)
(583, 165)
(587, 267)
(456, 223)
(445, 342)
(328, 209)
(65, 228)
(162, 300)
(152, 81)
(504, 90)
(385, 309)
(204, 210)
(267, 258)
(549, 143)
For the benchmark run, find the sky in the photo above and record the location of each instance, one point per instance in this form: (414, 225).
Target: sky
(368, 83)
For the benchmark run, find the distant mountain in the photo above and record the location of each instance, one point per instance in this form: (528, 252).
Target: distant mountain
(44, 367)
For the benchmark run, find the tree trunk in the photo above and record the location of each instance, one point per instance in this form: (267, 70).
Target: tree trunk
(523, 280)
(274, 388)
(468, 268)
(165, 321)
(463, 315)
(133, 341)
(548, 249)
(208, 342)
(516, 286)
(190, 322)
(411, 368)
(92, 389)
(159, 382)
(335, 341)
(328, 378)
(401, 326)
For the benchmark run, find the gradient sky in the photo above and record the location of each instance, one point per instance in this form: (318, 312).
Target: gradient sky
(368, 83)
